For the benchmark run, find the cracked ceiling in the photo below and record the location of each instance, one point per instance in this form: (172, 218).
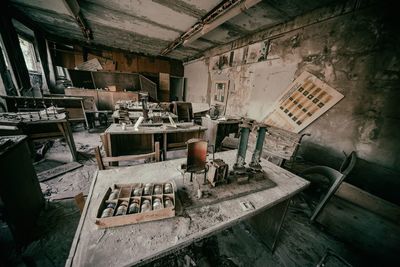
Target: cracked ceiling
(148, 27)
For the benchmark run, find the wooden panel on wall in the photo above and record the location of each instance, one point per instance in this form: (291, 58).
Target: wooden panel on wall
(119, 61)
(126, 81)
(81, 78)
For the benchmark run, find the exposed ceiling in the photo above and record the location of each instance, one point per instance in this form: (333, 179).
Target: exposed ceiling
(148, 27)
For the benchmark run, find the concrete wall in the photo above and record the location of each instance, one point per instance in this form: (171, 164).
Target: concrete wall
(197, 79)
(354, 49)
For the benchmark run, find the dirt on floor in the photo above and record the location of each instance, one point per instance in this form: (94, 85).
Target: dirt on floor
(300, 244)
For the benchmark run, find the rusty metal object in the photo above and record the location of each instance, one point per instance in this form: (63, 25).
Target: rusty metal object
(217, 172)
(196, 157)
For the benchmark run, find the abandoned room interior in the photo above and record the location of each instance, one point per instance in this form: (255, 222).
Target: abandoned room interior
(199, 133)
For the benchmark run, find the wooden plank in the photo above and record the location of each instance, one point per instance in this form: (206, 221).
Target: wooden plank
(52, 173)
(268, 224)
(128, 157)
(45, 135)
(76, 239)
(99, 159)
(66, 195)
(363, 229)
(141, 217)
(368, 201)
(80, 201)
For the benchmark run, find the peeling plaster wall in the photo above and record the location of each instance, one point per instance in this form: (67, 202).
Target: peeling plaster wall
(357, 54)
(196, 74)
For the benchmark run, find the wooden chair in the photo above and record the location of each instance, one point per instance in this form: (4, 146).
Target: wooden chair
(153, 156)
(335, 177)
(183, 110)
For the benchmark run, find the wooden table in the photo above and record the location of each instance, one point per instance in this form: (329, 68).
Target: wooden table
(134, 116)
(39, 129)
(130, 142)
(74, 106)
(144, 242)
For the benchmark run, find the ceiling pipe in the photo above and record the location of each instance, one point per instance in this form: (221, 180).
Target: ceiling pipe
(222, 18)
(75, 10)
(220, 14)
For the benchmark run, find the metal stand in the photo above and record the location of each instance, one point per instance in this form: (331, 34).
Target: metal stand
(255, 160)
(239, 170)
(238, 167)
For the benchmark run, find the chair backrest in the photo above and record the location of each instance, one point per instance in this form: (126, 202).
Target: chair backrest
(153, 156)
(348, 163)
(347, 166)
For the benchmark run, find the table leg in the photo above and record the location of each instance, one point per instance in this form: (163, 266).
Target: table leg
(269, 223)
(66, 131)
(165, 146)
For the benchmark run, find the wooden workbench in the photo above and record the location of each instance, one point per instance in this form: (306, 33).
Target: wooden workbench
(141, 243)
(134, 116)
(38, 129)
(130, 142)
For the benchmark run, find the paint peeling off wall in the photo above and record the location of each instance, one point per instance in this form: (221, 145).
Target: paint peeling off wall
(355, 53)
(196, 74)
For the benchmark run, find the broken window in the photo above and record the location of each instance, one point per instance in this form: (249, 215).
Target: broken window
(28, 51)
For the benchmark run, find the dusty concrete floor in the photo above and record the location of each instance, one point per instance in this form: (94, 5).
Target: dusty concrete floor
(301, 244)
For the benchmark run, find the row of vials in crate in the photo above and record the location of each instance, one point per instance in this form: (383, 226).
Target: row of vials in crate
(128, 200)
(137, 205)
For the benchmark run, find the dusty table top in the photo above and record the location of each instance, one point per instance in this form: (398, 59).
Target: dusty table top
(137, 114)
(17, 118)
(116, 128)
(143, 242)
(221, 121)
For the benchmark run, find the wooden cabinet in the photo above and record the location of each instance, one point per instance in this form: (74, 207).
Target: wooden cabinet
(20, 192)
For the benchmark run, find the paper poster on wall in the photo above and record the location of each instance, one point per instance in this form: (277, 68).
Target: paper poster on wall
(304, 101)
(220, 91)
(90, 65)
(257, 52)
(220, 94)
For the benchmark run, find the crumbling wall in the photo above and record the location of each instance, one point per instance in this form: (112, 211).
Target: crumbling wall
(354, 49)
(197, 78)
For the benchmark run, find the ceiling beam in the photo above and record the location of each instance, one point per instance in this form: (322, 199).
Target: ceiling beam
(75, 10)
(220, 14)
